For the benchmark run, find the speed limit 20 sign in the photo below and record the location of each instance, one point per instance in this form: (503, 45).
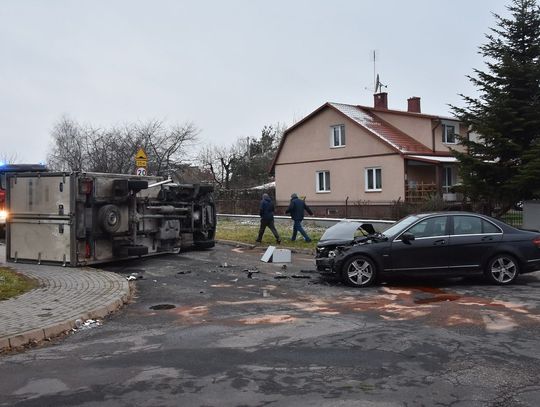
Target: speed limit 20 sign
(140, 162)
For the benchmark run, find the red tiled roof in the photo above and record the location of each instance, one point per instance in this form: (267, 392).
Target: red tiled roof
(396, 138)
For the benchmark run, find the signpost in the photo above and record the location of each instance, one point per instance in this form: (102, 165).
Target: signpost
(141, 161)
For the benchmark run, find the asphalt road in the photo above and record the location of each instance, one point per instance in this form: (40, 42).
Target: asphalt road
(231, 340)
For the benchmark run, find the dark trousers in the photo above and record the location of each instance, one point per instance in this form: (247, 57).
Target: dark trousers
(270, 224)
(297, 227)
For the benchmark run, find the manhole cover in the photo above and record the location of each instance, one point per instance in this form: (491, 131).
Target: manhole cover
(162, 306)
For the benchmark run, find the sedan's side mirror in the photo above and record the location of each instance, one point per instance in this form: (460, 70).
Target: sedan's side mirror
(407, 237)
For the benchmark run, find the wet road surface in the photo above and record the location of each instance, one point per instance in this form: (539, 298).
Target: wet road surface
(199, 332)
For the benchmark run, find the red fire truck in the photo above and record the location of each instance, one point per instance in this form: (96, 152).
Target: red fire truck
(12, 168)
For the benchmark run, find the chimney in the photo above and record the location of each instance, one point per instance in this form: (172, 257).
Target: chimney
(413, 105)
(380, 100)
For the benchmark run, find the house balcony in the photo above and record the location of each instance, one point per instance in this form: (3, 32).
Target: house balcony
(418, 192)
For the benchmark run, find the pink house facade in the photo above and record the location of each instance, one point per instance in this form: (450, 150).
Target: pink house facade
(342, 156)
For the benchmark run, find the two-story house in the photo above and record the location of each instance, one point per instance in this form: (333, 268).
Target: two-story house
(344, 155)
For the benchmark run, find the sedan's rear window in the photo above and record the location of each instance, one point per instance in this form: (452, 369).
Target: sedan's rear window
(472, 225)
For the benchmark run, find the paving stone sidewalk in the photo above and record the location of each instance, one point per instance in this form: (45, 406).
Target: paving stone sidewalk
(63, 296)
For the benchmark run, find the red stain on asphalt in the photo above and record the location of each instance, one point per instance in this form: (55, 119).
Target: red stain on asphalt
(438, 298)
(191, 314)
(268, 319)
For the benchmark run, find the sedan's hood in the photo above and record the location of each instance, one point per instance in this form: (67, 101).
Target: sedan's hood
(345, 232)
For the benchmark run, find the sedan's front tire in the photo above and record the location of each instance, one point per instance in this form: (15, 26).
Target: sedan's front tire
(359, 271)
(502, 269)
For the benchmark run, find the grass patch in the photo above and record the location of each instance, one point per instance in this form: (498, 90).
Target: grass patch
(13, 284)
(246, 231)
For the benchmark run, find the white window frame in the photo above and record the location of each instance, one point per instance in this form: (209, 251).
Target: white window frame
(373, 179)
(447, 186)
(446, 133)
(326, 179)
(341, 136)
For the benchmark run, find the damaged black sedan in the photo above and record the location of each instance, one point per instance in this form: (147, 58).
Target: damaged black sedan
(446, 243)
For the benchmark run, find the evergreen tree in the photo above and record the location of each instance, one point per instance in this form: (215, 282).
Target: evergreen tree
(252, 168)
(502, 165)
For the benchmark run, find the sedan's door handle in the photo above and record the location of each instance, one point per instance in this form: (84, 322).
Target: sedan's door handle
(439, 242)
(486, 238)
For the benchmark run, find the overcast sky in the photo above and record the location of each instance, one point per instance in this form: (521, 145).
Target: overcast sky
(230, 67)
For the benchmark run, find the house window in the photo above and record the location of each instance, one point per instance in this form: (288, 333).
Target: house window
(337, 136)
(323, 181)
(373, 179)
(448, 179)
(449, 134)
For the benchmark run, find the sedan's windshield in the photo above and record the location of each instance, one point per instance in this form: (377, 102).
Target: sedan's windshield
(400, 225)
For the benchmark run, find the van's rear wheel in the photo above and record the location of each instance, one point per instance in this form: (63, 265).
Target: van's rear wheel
(109, 218)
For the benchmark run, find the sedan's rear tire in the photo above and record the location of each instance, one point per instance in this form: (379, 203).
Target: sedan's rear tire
(359, 271)
(502, 269)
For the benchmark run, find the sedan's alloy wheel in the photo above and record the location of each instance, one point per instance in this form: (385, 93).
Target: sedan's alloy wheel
(359, 272)
(503, 269)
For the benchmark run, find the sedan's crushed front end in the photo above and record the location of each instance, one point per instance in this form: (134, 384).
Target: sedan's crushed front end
(337, 240)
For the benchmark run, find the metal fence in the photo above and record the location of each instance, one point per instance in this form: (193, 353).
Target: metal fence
(246, 202)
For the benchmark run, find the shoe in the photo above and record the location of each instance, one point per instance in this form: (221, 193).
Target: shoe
(308, 240)
(278, 241)
(258, 241)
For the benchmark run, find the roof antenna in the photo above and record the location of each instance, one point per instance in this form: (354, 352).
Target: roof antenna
(377, 84)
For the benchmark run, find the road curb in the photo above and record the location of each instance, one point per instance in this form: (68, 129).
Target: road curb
(32, 337)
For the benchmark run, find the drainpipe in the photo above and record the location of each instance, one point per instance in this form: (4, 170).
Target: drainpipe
(439, 122)
(346, 207)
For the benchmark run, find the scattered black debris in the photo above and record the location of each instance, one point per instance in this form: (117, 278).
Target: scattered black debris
(284, 267)
(280, 277)
(184, 272)
(224, 265)
(160, 307)
(250, 272)
(201, 292)
(300, 276)
(308, 271)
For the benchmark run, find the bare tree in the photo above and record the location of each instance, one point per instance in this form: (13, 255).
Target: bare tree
(167, 147)
(220, 161)
(8, 158)
(113, 150)
(69, 146)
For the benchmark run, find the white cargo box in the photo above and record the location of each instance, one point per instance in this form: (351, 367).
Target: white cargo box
(85, 218)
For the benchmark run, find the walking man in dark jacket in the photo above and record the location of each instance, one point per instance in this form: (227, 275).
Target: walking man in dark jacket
(296, 209)
(266, 211)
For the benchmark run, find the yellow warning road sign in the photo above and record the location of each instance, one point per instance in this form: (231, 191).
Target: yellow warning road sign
(140, 161)
(141, 155)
